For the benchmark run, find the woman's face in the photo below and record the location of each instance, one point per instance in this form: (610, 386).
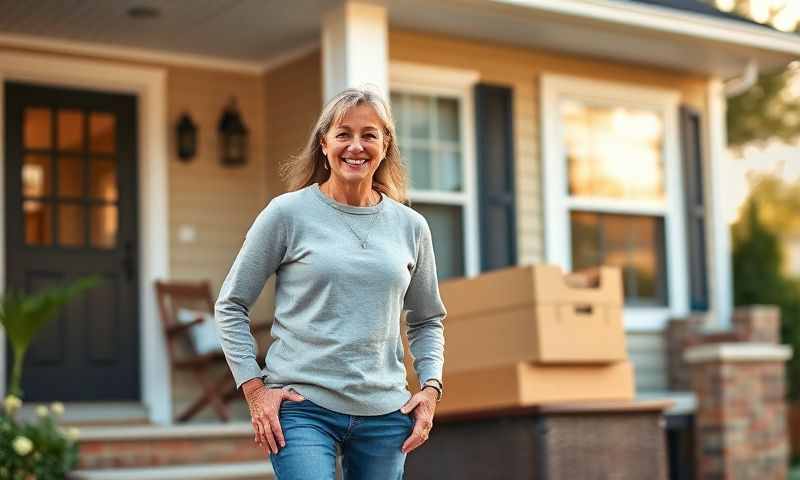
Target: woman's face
(355, 146)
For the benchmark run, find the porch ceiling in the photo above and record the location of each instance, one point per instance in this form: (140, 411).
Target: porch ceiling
(254, 33)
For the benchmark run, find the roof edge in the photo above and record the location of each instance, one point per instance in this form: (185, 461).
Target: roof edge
(668, 20)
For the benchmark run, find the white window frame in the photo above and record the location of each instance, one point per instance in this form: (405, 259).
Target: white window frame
(558, 203)
(429, 80)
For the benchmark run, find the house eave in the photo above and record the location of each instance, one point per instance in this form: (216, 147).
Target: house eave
(737, 42)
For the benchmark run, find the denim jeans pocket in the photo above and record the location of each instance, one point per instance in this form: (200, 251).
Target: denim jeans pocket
(293, 403)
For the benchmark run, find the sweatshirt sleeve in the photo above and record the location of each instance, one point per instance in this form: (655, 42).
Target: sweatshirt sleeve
(426, 312)
(260, 256)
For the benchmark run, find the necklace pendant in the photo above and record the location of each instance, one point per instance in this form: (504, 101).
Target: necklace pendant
(363, 244)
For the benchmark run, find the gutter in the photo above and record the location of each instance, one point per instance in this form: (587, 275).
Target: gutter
(738, 85)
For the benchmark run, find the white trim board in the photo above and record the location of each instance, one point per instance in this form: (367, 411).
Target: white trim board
(718, 233)
(149, 84)
(557, 204)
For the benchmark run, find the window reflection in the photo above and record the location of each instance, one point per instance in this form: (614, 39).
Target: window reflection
(38, 223)
(104, 226)
(70, 130)
(36, 176)
(37, 128)
(632, 242)
(613, 152)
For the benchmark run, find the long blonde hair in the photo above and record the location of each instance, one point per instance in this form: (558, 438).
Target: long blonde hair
(307, 167)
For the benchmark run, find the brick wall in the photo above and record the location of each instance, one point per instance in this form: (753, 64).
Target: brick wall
(740, 420)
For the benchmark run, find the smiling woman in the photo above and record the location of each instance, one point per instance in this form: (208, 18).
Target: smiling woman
(349, 258)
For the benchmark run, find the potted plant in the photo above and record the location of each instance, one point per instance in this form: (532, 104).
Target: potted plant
(38, 450)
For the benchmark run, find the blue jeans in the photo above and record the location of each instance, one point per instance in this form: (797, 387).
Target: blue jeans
(370, 445)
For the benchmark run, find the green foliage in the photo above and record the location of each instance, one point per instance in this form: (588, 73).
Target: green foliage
(22, 316)
(767, 111)
(39, 450)
(757, 279)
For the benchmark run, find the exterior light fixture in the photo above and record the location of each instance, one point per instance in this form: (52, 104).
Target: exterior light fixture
(186, 138)
(233, 137)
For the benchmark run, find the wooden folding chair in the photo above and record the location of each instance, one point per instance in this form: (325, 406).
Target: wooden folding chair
(172, 296)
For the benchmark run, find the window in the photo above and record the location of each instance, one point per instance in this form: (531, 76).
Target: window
(429, 136)
(612, 188)
(432, 108)
(615, 153)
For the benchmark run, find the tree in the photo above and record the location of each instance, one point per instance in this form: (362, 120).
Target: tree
(757, 279)
(769, 110)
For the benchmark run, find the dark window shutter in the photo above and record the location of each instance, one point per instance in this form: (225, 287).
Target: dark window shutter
(494, 136)
(691, 135)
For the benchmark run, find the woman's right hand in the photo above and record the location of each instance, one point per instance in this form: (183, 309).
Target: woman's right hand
(265, 403)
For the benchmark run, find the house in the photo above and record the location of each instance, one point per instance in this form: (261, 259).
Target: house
(574, 132)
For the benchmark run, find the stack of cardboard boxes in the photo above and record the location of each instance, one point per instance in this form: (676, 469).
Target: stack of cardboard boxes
(531, 335)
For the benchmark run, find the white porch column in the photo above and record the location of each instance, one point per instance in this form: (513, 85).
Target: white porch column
(717, 230)
(355, 39)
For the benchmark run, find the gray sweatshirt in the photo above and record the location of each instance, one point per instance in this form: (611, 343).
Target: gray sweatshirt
(338, 304)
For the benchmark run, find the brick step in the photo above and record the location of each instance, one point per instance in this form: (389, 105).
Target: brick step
(92, 414)
(168, 445)
(240, 471)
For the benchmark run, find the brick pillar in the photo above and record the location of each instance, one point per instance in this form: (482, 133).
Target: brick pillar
(679, 334)
(758, 323)
(740, 421)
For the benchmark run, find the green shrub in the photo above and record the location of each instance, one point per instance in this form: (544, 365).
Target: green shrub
(758, 279)
(39, 450)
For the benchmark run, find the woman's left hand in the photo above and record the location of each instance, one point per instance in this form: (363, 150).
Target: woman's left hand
(422, 406)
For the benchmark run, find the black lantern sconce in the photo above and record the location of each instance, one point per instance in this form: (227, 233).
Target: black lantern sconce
(186, 138)
(233, 137)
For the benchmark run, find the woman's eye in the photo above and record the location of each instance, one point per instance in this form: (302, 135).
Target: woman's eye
(341, 135)
(371, 136)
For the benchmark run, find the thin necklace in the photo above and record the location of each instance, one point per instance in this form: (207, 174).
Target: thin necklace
(362, 241)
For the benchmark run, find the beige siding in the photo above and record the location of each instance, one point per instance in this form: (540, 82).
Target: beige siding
(220, 203)
(647, 351)
(293, 102)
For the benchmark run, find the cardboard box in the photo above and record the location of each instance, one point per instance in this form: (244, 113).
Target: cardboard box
(527, 384)
(533, 313)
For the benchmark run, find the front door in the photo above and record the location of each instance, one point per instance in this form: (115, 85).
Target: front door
(70, 211)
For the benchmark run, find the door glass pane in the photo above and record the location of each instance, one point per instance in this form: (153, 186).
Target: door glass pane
(103, 179)
(449, 165)
(447, 119)
(419, 114)
(70, 130)
(104, 226)
(71, 225)
(631, 242)
(420, 168)
(446, 223)
(37, 130)
(38, 223)
(613, 152)
(102, 131)
(70, 176)
(36, 176)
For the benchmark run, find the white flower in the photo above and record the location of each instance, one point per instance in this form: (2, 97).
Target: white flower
(22, 445)
(12, 404)
(73, 433)
(57, 408)
(42, 411)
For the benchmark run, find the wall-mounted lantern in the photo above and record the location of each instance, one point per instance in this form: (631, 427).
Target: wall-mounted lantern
(233, 137)
(186, 137)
